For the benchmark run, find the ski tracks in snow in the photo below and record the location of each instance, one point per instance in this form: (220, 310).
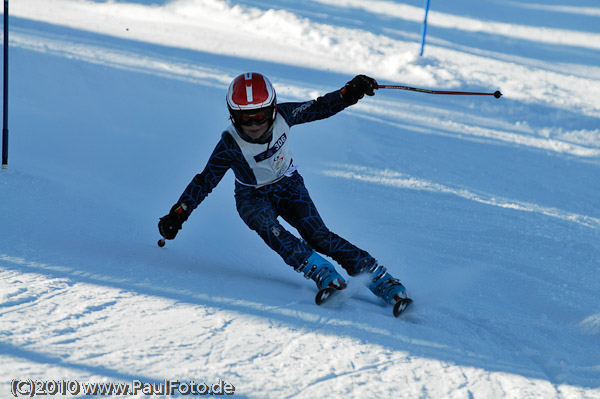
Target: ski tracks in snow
(400, 180)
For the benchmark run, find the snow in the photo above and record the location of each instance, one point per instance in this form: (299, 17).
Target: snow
(487, 209)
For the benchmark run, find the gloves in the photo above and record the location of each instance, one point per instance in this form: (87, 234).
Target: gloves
(170, 224)
(355, 89)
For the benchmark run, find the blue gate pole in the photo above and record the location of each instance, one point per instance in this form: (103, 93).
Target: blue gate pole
(424, 26)
(5, 97)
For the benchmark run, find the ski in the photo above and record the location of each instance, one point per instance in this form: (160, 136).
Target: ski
(325, 294)
(401, 305)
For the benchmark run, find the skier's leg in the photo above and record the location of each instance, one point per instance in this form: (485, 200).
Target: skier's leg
(299, 210)
(303, 215)
(260, 216)
(258, 213)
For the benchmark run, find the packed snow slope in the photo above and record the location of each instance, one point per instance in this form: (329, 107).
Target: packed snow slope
(487, 209)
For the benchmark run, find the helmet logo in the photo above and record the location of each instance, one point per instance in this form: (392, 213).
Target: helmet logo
(248, 79)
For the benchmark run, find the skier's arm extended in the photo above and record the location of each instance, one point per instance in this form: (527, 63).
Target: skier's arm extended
(203, 183)
(200, 186)
(329, 104)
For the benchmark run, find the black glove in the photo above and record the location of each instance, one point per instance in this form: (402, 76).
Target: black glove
(170, 224)
(357, 88)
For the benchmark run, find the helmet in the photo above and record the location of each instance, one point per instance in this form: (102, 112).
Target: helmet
(251, 99)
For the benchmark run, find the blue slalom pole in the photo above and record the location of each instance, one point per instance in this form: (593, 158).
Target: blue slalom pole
(5, 96)
(424, 26)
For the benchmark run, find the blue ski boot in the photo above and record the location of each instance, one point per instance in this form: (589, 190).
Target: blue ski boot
(388, 288)
(321, 272)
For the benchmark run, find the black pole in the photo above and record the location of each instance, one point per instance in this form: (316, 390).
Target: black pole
(5, 108)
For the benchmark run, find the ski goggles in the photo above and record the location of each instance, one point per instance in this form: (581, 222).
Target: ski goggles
(253, 117)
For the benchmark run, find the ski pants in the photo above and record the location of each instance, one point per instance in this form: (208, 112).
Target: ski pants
(260, 208)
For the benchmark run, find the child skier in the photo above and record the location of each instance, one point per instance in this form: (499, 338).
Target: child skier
(268, 185)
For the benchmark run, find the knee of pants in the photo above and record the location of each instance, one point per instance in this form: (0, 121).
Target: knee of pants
(258, 219)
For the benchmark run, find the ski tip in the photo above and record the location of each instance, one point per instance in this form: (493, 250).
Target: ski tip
(401, 305)
(324, 294)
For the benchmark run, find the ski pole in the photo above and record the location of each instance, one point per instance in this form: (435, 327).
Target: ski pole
(424, 32)
(161, 242)
(496, 94)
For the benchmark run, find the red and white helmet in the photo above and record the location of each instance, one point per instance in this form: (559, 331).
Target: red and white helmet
(251, 97)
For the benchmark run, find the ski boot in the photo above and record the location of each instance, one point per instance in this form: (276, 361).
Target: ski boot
(388, 288)
(324, 274)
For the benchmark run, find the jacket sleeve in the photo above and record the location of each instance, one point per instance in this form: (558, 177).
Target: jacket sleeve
(323, 107)
(203, 183)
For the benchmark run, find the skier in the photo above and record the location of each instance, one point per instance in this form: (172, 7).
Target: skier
(268, 185)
